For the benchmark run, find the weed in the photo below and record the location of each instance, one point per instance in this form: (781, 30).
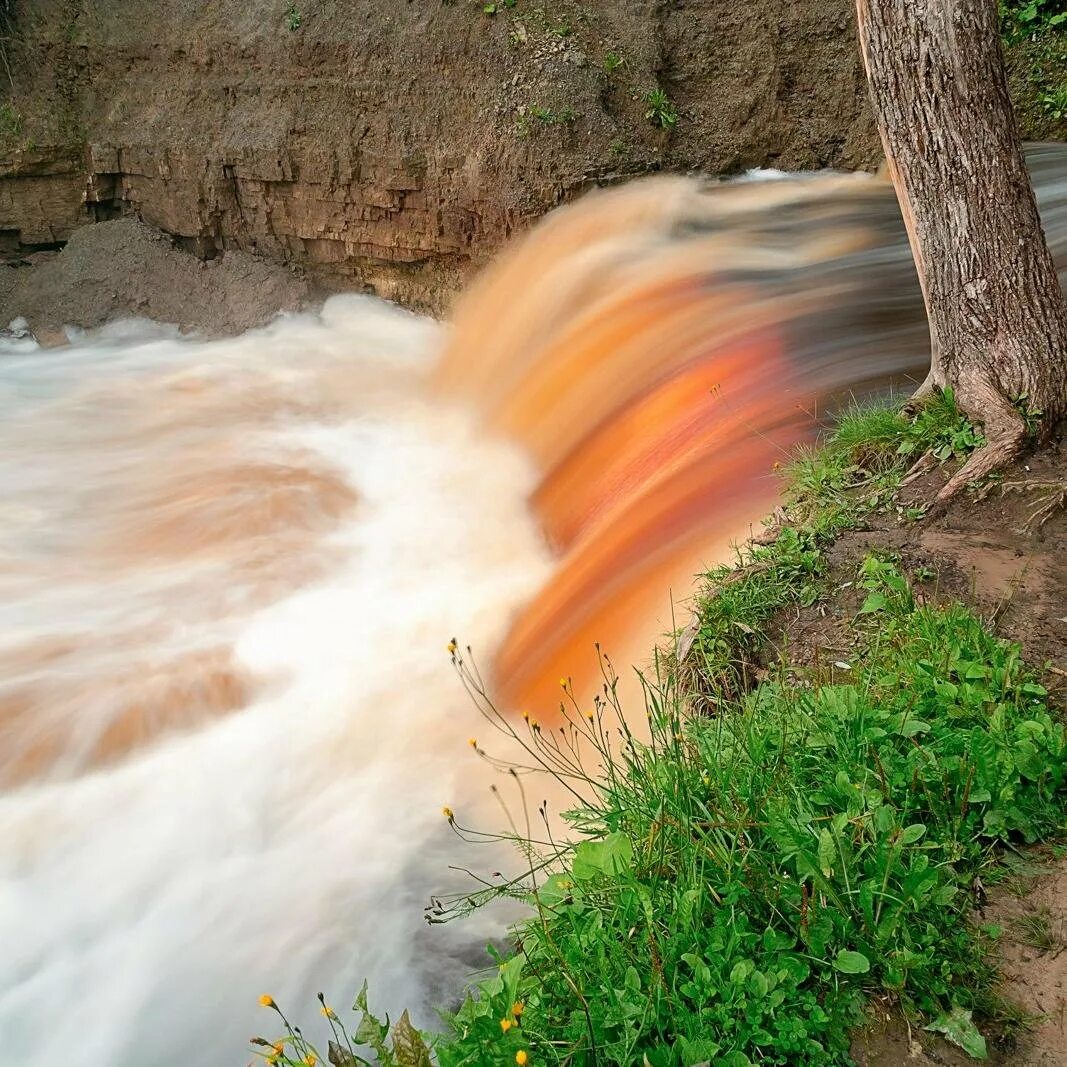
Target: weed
(612, 62)
(660, 111)
(536, 115)
(1054, 102)
(1035, 930)
(10, 121)
(293, 18)
(497, 5)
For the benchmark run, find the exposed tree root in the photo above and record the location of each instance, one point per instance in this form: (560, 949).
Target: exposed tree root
(1053, 496)
(1005, 434)
(925, 464)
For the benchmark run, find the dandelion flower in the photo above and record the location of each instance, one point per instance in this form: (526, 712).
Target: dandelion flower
(267, 1001)
(563, 683)
(517, 1008)
(521, 1058)
(328, 1012)
(506, 1025)
(447, 812)
(473, 742)
(452, 646)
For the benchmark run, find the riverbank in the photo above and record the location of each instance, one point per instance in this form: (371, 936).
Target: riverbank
(853, 755)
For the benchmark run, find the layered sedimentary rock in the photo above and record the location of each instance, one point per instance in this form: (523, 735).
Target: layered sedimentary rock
(393, 145)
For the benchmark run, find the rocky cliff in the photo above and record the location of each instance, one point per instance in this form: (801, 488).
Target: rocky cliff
(393, 144)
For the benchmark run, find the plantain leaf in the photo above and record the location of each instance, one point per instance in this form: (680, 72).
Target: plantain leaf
(957, 1026)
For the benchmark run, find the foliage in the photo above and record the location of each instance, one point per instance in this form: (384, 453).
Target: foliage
(612, 62)
(10, 121)
(397, 1045)
(1020, 18)
(536, 115)
(293, 18)
(661, 112)
(1054, 101)
(774, 845)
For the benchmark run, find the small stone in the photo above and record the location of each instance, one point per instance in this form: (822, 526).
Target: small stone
(51, 337)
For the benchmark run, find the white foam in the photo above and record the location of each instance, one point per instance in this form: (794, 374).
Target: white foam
(287, 846)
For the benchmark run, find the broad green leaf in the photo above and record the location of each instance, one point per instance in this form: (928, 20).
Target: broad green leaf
(910, 834)
(874, 602)
(613, 855)
(957, 1026)
(557, 889)
(848, 962)
(827, 852)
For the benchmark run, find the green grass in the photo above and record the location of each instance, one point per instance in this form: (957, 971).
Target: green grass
(1036, 931)
(660, 111)
(777, 844)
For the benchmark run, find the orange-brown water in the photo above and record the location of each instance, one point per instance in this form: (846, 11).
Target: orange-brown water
(228, 571)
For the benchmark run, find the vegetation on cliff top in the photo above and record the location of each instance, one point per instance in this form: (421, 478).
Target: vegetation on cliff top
(782, 842)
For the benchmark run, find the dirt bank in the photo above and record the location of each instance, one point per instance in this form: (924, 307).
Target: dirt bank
(394, 146)
(1004, 552)
(120, 269)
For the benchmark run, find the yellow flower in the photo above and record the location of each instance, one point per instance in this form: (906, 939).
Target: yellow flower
(506, 1025)
(279, 1047)
(563, 683)
(521, 1058)
(517, 1008)
(446, 811)
(473, 742)
(589, 716)
(451, 646)
(310, 1060)
(327, 1011)
(267, 1001)
(272, 1061)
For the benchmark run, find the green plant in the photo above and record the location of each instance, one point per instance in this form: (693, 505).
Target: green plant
(612, 62)
(742, 880)
(543, 116)
(293, 18)
(390, 1045)
(1054, 102)
(774, 843)
(1036, 930)
(660, 111)
(10, 120)
(496, 5)
(1030, 17)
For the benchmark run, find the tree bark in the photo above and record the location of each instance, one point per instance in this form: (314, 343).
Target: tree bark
(998, 320)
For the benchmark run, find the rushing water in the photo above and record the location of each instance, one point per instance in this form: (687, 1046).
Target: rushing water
(228, 571)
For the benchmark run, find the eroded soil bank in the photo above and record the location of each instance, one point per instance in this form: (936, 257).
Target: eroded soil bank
(1003, 551)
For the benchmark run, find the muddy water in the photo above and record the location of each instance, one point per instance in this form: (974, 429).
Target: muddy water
(228, 572)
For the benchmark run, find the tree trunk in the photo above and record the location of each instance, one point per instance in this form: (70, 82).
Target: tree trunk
(998, 320)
